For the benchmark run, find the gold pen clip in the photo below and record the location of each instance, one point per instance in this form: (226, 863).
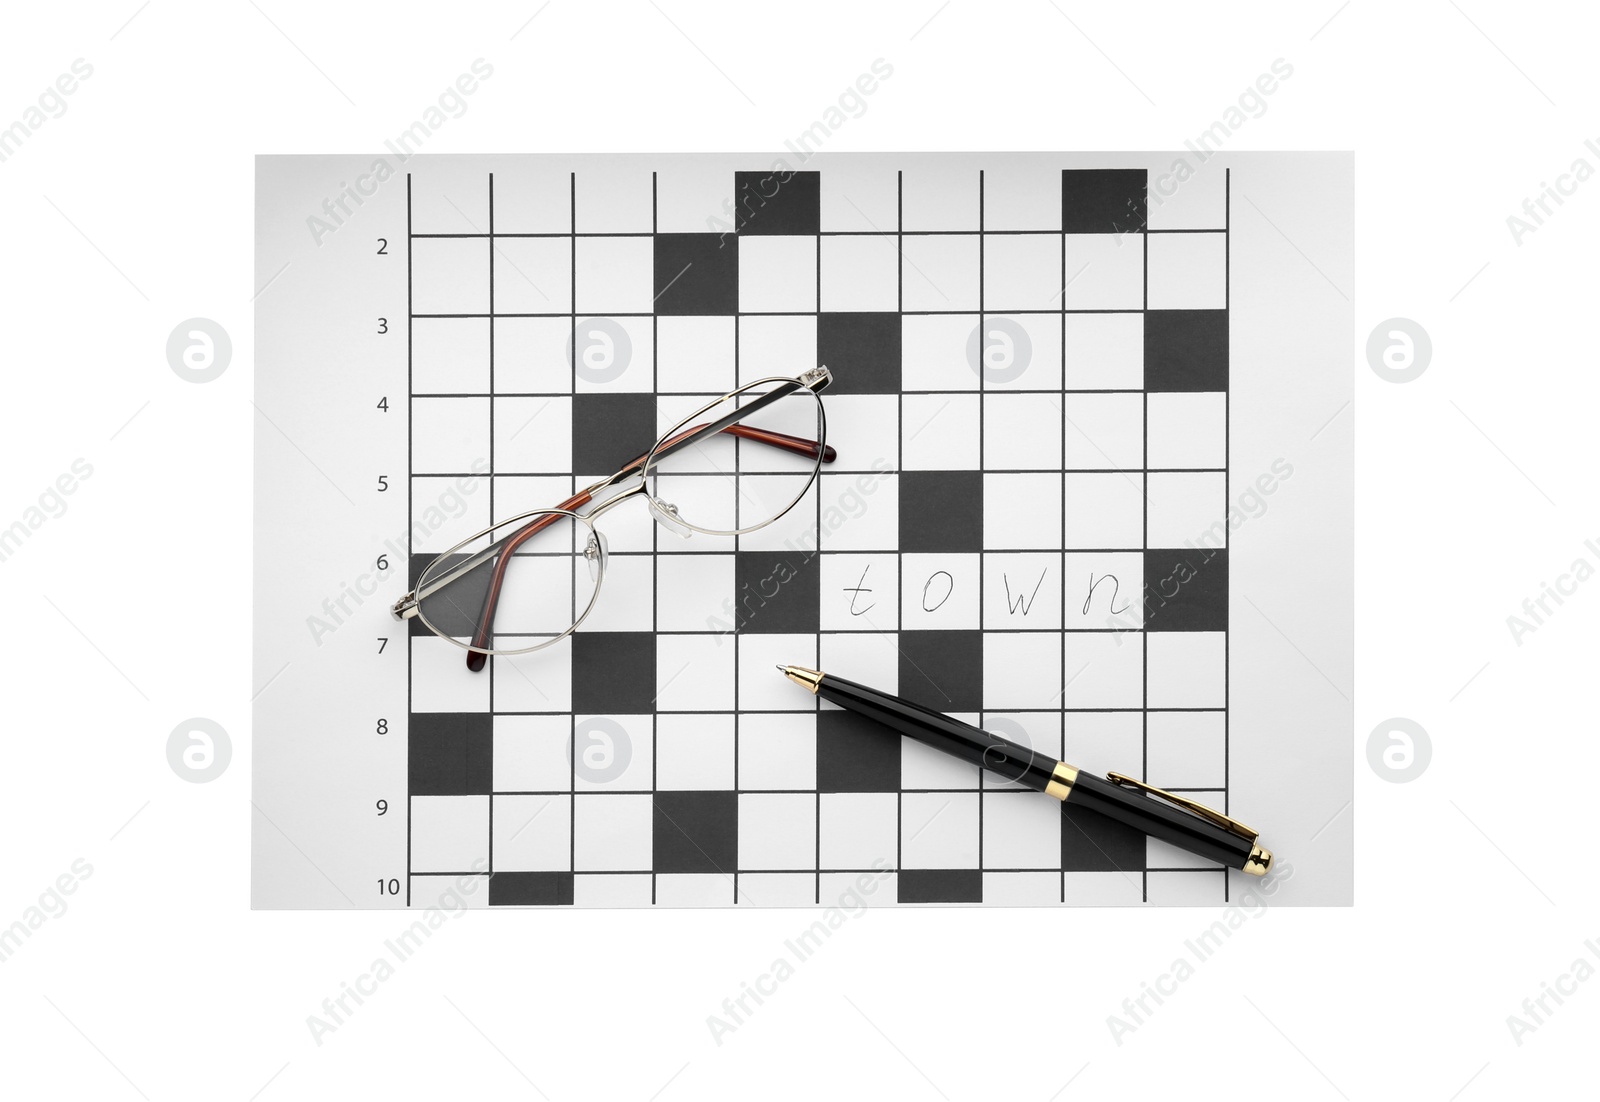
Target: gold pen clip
(1209, 814)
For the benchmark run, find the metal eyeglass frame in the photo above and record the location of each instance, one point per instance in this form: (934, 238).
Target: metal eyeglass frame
(678, 437)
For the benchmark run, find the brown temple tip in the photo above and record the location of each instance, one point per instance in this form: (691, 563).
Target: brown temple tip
(828, 454)
(476, 660)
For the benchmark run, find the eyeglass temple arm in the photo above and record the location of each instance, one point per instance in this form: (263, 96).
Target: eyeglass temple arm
(476, 659)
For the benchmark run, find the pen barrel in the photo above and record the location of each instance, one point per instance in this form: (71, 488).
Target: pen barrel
(1160, 820)
(1008, 760)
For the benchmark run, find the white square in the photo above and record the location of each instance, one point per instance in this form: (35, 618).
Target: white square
(1188, 669)
(694, 673)
(531, 436)
(612, 833)
(1188, 430)
(1186, 507)
(1188, 271)
(923, 767)
(695, 197)
(613, 753)
(1103, 742)
(1022, 197)
(939, 830)
(860, 198)
(860, 273)
(449, 833)
(1022, 889)
(1021, 670)
(1021, 432)
(1104, 432)
(1022, 591)
(691, 590)
(612, 890)
(935, 352)
(694, 753)
(627, 593)
(776, 346)
(448, 435)
(530, 753)
(860, 592)
(777, 272)
(1104, 351)
(1188, 198)
(449, 356)
(515, 494)
(939, 432)
(860, 512)
(1021, 352)
(613, 199)
(615, 275)
(1102, 889)
(613, 355)
(1105, 271)
(1022, 271)
(1104, 510)
(940, 591)
(448, 510)
(1187, 749)
(777, 830)
(872, 657)
(1021, 831)
(694, 354)
(1021, 511)
(777, 889)
(453, 197)
(761, 689)
(1103, 669)
(939, 272)
(532, 833)
(1182, 888)
(852, 890)
(440, 680)
(859, 829)
(531, 198)
(778, 751)
(863, 428)
(450, 275)
(939, 195)
(533, 275)
(530, 355)
(536, 682)
(1104, 590)
(700, 889)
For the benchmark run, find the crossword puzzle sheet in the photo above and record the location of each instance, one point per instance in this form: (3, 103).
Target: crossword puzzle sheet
(1030, 521)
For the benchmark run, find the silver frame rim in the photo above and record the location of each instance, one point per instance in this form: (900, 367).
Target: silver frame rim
(599, 581)
(816, 470)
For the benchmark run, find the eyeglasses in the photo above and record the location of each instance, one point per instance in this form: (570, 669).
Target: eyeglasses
(527, 583)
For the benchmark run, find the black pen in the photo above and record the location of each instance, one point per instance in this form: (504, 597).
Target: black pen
(1175, 819)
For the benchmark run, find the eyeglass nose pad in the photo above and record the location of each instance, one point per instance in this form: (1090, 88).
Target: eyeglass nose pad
(594, 553)
(666, 515)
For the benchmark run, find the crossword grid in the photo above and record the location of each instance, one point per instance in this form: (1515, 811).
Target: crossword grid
(700, 776)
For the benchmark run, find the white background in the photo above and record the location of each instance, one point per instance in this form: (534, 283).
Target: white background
(130, 612)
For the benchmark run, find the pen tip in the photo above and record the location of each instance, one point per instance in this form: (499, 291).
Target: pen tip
(782, 669)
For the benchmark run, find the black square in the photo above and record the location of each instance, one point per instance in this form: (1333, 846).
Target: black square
(610, 430)
(451, 753)
(1090, 842)
(777, 592)
(940, 886)
(454, 611)
(778, 202)
(941, 511)
(1185, 350)
(696, 273)
(862, 351)
(530, 889)
(856, 754)
(696, 832)
(1186, 589)
(1103, 200)
(613, 672)
(943, 670)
